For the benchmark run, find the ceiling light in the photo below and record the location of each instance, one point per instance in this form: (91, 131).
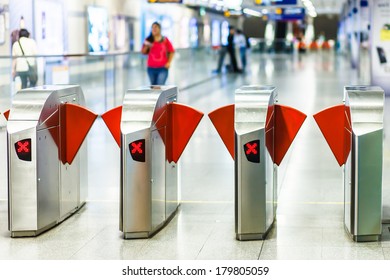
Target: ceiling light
(252, 12)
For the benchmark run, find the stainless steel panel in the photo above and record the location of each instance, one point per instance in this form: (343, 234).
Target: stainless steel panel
(40, 102)
(349, 197)
(251, 186)
(251, 107)
(171, 188)
(158, 177)
(136, 188)
(83, 171)
(363, 170)
(146, 186)
(39, 196)
(141, 105)
(369, 181)
(69, 174)
(69, 187)
(271, 187)
(48, 177)
(255, 183)
(22, 184)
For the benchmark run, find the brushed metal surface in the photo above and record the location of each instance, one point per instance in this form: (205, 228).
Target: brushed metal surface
(22, 185)
(172, 184)
(42, 192)
(136, 186)
(251, 186)
(48, 207)
(158, 177)
(363, 169)
(146, 186)
(255, 183)
(69, 174)
(369, 181)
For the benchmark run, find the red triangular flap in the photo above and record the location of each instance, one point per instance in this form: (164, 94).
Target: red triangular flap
(76, 121)
(288, 121)
(223, 121)
(183, 120)
(112, 119)
(335, 127)
(6, 114)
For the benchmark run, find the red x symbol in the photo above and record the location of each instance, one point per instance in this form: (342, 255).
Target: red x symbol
(137, 148)
(251, 149)
(23, 147)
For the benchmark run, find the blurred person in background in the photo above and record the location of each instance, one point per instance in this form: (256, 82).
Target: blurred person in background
(23, 66)
(160, 54)
(240, 42)
(232, 51)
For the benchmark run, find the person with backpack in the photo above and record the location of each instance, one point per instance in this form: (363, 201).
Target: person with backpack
(23, 66)
(160, 54)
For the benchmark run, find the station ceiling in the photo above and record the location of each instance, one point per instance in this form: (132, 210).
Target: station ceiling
(321, 6)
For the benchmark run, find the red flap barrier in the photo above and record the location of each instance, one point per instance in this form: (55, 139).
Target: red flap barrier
(335, 125)
(6, 114)
(112, 119)
(76, 121)
(183, 121)
(223, 121)
(287, 123)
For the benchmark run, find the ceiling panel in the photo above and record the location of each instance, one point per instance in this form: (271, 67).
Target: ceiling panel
(322, 6)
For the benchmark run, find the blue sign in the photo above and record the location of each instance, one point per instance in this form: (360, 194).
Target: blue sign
(288, 14)
(275, 2)
(284, 2)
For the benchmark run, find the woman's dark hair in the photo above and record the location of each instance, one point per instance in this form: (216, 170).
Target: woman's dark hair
(150, 38)
(24, 33)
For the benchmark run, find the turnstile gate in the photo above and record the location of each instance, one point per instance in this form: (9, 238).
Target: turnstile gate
(47, 162)
(354, 132)
(152, 131)
(257, 132)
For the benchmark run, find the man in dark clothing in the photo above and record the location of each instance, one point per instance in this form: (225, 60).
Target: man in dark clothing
(231, 50)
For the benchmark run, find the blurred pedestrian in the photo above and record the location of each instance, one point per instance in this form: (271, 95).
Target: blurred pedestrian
(160, 54)
(231, 51)
(221, 59)
(240, 42)
(24, 66)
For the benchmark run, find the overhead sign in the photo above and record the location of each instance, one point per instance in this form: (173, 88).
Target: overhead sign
(275, 2)
(288, 14)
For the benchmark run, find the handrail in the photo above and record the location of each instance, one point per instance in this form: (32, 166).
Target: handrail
(99, 54)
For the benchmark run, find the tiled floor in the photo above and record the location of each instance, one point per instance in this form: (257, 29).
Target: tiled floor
(309, 222)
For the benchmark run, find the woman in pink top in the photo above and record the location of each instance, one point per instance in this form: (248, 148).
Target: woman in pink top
(160, 54)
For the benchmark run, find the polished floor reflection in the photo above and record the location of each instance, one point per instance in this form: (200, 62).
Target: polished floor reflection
(309, 222)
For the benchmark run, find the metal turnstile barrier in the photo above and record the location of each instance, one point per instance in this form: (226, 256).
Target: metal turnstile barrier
(152, 130)
(354, 132)
(47, 160)
(257, 132)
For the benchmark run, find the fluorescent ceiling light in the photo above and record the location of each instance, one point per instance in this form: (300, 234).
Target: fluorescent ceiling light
(252, 12)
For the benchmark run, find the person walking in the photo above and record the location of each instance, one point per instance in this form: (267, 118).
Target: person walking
(160, 54)
(221, 59)
(23, 66)
(240, 42)
(231, 50)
